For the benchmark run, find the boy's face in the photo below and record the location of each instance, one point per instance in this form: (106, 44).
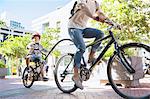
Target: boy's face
(36, 39)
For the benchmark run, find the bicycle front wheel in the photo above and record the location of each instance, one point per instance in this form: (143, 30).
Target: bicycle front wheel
(127, 85)
(63, 73)
(28, 77)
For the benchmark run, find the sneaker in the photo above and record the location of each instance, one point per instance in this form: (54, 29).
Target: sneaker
(78, 83)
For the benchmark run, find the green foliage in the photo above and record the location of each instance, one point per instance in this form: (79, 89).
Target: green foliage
(2, 65)
(15, 46)
(56, 53)
(2, 24)
(49, 37)
(109, 53)
(134, 17)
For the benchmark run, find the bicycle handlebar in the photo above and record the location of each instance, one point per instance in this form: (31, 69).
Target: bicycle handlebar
(113, 25)
(110, 27)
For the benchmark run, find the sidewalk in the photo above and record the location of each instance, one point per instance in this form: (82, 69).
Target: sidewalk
(12, 88)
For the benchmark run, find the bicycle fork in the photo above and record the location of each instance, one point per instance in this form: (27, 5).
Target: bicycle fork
(124, 61)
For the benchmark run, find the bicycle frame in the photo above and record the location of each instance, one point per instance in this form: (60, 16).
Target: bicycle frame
(37, 65)
(104, 50)
(126, 65)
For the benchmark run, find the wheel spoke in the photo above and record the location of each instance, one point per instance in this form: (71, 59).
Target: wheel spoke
(64, 72)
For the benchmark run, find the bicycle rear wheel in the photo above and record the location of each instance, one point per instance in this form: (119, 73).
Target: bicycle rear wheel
(63, 73)
(127, 85)
(28, 77)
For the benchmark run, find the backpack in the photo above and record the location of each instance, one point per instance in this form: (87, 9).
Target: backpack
(72, 12)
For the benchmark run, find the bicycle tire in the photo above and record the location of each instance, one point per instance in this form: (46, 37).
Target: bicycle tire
(56, 75)
(25, 78)
(124, 91)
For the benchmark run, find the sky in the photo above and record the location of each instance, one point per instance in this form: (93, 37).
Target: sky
(27, 10)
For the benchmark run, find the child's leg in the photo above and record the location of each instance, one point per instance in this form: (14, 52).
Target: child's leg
(27, 61)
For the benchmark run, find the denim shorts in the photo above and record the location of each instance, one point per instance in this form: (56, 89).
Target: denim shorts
(34, 58)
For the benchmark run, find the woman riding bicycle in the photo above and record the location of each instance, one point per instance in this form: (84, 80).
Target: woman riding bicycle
(84, 10)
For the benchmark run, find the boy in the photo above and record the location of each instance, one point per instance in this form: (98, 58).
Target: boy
(35, 52)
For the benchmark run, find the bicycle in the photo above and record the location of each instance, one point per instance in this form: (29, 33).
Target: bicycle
(32, 72)
(123, 54)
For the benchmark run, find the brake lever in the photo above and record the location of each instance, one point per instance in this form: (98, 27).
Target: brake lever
(117, 26)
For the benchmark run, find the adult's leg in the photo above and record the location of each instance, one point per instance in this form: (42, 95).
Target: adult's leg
(93, 33)
(77, 37)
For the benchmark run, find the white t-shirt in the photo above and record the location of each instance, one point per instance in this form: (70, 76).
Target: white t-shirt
(80, 18)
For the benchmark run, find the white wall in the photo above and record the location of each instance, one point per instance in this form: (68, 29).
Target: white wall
(61, 14)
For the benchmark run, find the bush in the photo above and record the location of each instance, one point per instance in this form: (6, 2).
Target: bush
(2, 65)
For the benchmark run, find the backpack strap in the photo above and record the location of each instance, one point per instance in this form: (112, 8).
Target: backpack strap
(72, 12)
(73, 9)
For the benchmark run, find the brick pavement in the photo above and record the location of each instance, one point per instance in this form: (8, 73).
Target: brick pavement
(12, 88)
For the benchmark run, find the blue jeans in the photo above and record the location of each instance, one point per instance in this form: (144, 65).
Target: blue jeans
(77, 36)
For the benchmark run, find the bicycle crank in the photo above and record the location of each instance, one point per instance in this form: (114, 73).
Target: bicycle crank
(84, 74)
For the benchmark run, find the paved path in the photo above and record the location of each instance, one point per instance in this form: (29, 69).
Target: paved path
(12, 88)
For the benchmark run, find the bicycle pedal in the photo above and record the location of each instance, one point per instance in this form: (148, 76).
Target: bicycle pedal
(131, 77)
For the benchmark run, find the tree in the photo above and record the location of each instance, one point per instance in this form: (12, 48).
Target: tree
(134, 17)
(49, 37)
(15, 46)
(2, 23)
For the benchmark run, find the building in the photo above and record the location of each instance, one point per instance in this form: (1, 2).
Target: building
(55, 19)
(12, 27)
(15, 25)
(5, 31)
(11, 20)
(58, 18)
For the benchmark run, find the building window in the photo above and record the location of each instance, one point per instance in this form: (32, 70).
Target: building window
(1, 37)
(45, 25)
(58, 24)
